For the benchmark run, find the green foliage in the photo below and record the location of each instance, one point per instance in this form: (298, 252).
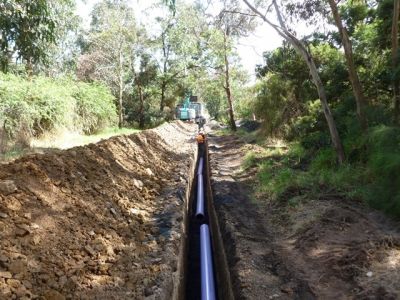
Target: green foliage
(27, 28)
(94, 106)
(249, 160)
(41, 104)
(275, 104)
(286, 176)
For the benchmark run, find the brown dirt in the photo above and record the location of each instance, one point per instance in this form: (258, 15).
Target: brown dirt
(326, 248)
(101, 221)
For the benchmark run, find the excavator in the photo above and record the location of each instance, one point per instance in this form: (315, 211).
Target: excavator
(190, 110)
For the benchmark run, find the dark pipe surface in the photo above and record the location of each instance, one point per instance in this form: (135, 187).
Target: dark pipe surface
(200, 197)
(200, 168)
(206, 265)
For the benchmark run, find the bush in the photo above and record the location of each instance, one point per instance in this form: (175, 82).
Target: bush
(95, 107)
(41, 104)
(372, 175)
(383, 163)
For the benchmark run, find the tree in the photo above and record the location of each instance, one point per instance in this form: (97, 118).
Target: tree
(111, 40)
(63, 53)
(166, 52)
(307, 57)
(144, 79)
(354, 79)
(395, 59)
(232, 25)
(26, 30)
(180, 45)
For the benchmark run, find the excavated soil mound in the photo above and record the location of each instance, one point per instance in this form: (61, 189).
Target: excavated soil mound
(101, 221)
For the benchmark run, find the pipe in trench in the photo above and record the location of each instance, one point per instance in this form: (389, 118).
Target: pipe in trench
(200, 168)
(200, 191)
(206, 265)
(200, 198)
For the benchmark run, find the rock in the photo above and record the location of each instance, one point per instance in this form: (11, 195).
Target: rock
(91, 233)
(27, 284)
(35, 226)
(17, 266)
(140, 236)
(110, 250)
(35, 240)
(7, 187)
(369, 274)
(20, 232)
(24, 227)
(103, 268)
(112, 210)
(5, 292)
(90, 250)
(148, 292)
(14, 283)
(4, 274)
(21, 292)
(138, 183)
(149, 172)
(13, 204)
(3, 215)
(53, 295)
(62, 280)
(287, 288)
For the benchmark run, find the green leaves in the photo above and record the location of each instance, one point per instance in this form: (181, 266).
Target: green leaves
(42, 104)
(27, 27)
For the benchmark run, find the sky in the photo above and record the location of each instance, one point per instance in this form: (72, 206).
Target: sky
(250, 48)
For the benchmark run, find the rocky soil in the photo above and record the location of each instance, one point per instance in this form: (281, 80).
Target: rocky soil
(325, 248)
(103, 221)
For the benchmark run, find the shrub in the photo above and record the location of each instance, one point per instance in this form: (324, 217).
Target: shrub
(41, 104)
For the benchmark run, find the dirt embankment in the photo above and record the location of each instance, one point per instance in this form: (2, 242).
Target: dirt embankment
(101, 221)
(326, 248)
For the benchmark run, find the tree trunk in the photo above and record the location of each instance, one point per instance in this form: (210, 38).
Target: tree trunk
(395, 58)
(354, 79)
(228, 87)
(29, 67)
(337, 144)
(304, 53)
(162, 103)
(166, 50)
(120, 92)
(141, 108)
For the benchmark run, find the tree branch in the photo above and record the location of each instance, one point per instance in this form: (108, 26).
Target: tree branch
(238, 12)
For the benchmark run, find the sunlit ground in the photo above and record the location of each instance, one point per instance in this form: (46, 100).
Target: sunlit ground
(67, 139)
(63, 140)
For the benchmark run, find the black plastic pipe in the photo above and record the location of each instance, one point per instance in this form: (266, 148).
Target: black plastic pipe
(200, 197)
(200, 168)
(206, 265)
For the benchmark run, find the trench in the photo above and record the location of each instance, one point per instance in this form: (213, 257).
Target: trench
(191, 255)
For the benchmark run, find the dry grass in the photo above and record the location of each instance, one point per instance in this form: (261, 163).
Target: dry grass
(61, 139)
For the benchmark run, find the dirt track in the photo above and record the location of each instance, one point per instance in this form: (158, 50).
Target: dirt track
(101, 221)
(326, 248)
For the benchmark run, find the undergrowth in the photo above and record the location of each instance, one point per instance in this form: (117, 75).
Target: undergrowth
(287, 176)
(32, 107)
